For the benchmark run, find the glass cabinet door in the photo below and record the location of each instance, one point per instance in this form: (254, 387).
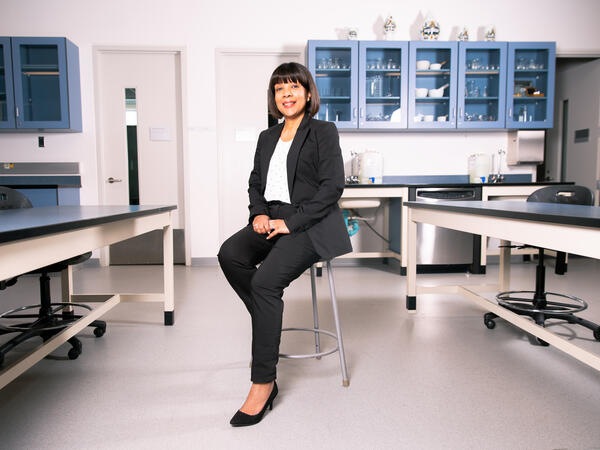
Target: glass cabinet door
(40, 82)
(531, 71)
(7, 106)
(334, 65)
(432, 87)
(382, 84)
(481, 84)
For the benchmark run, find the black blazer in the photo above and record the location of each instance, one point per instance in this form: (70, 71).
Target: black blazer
(315, 171)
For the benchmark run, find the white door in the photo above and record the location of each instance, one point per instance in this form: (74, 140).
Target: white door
(155, 76)
(242, 82)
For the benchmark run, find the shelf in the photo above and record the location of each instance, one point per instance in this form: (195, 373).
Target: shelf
(482, 72)
(29, 74)
(531, 70)
(528, 99)
(336, 98)
(432, 99)
(327, 72)
(386, 72)
(384, 98)
(434, 72)
(482, 98)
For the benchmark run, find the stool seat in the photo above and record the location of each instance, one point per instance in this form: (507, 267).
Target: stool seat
(337, 336)
(359, 203)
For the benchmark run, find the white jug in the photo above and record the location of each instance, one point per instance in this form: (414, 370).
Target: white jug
(479, 167)
(370, 167)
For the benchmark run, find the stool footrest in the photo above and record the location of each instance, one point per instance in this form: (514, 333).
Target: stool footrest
(515, 300)
(311, 355)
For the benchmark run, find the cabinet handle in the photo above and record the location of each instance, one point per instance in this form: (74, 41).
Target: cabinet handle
(112, 180)
(510, 113)
(354, 113)
(460, 114)
(17, 111)
(362, 113)
(452, 112)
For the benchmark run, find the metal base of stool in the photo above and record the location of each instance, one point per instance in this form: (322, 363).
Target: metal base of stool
(317, 331)
(541, 309)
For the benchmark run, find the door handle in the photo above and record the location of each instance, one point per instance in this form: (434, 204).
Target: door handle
(112, 180)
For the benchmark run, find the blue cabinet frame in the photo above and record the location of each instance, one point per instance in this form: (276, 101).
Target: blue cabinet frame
(53, 94)
(334, 66)
(421, 109)
(530, 64)
(349, 98)
(482, 105)
(383, 84)
(7, 102)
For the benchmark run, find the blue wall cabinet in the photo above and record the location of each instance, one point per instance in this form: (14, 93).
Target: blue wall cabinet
(432, 89)
(7, 103)
(382, 84)
(45, 84)
(530, 84)
(481, 84)
(334, 65)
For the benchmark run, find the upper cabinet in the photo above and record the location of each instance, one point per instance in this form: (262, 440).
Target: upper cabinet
(432, 86)
(481, 84)
(531, 72)
(382, 84)
(43, 91)
(334, 65)
(395, 85)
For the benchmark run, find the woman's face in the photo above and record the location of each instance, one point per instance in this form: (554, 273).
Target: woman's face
(290, 98)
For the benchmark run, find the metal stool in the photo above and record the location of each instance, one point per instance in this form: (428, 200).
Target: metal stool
(317, 331)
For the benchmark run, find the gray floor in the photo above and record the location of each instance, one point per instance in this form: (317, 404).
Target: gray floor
(434, 379)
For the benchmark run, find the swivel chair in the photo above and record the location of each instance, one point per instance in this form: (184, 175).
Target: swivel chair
(51, 318)
(538, 304)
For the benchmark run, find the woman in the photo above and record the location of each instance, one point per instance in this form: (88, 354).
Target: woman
(297, 179)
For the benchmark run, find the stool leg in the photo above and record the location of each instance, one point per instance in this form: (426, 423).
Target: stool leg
(338, 328)
(315, 309)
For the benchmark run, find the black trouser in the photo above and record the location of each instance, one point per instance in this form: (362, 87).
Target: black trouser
(283, 258)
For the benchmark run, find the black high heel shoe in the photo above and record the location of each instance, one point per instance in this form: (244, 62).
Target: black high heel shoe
(241, 419)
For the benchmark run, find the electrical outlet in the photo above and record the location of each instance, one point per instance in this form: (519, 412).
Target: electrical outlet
(41, 141)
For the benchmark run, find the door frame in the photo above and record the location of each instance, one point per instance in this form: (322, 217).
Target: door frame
(296, 53)
(97, 52)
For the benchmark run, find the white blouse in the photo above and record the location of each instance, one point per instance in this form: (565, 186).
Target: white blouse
(277, 180)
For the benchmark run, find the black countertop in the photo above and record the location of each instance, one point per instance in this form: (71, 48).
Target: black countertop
(25, 223)
(396, 185)
(579, 215)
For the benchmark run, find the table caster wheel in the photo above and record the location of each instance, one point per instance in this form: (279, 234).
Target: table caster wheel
(99, 331)
(489, 321)
(74, 353)
(542, 342)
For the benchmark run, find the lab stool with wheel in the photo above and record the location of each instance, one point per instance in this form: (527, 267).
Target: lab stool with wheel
(539, 304)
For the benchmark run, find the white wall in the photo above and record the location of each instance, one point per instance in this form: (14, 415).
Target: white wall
(202, 26)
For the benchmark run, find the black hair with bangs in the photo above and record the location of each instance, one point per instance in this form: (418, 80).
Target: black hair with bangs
(295, 73)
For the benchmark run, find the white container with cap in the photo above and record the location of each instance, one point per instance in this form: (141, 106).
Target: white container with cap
(370, 167)
(479, 167)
